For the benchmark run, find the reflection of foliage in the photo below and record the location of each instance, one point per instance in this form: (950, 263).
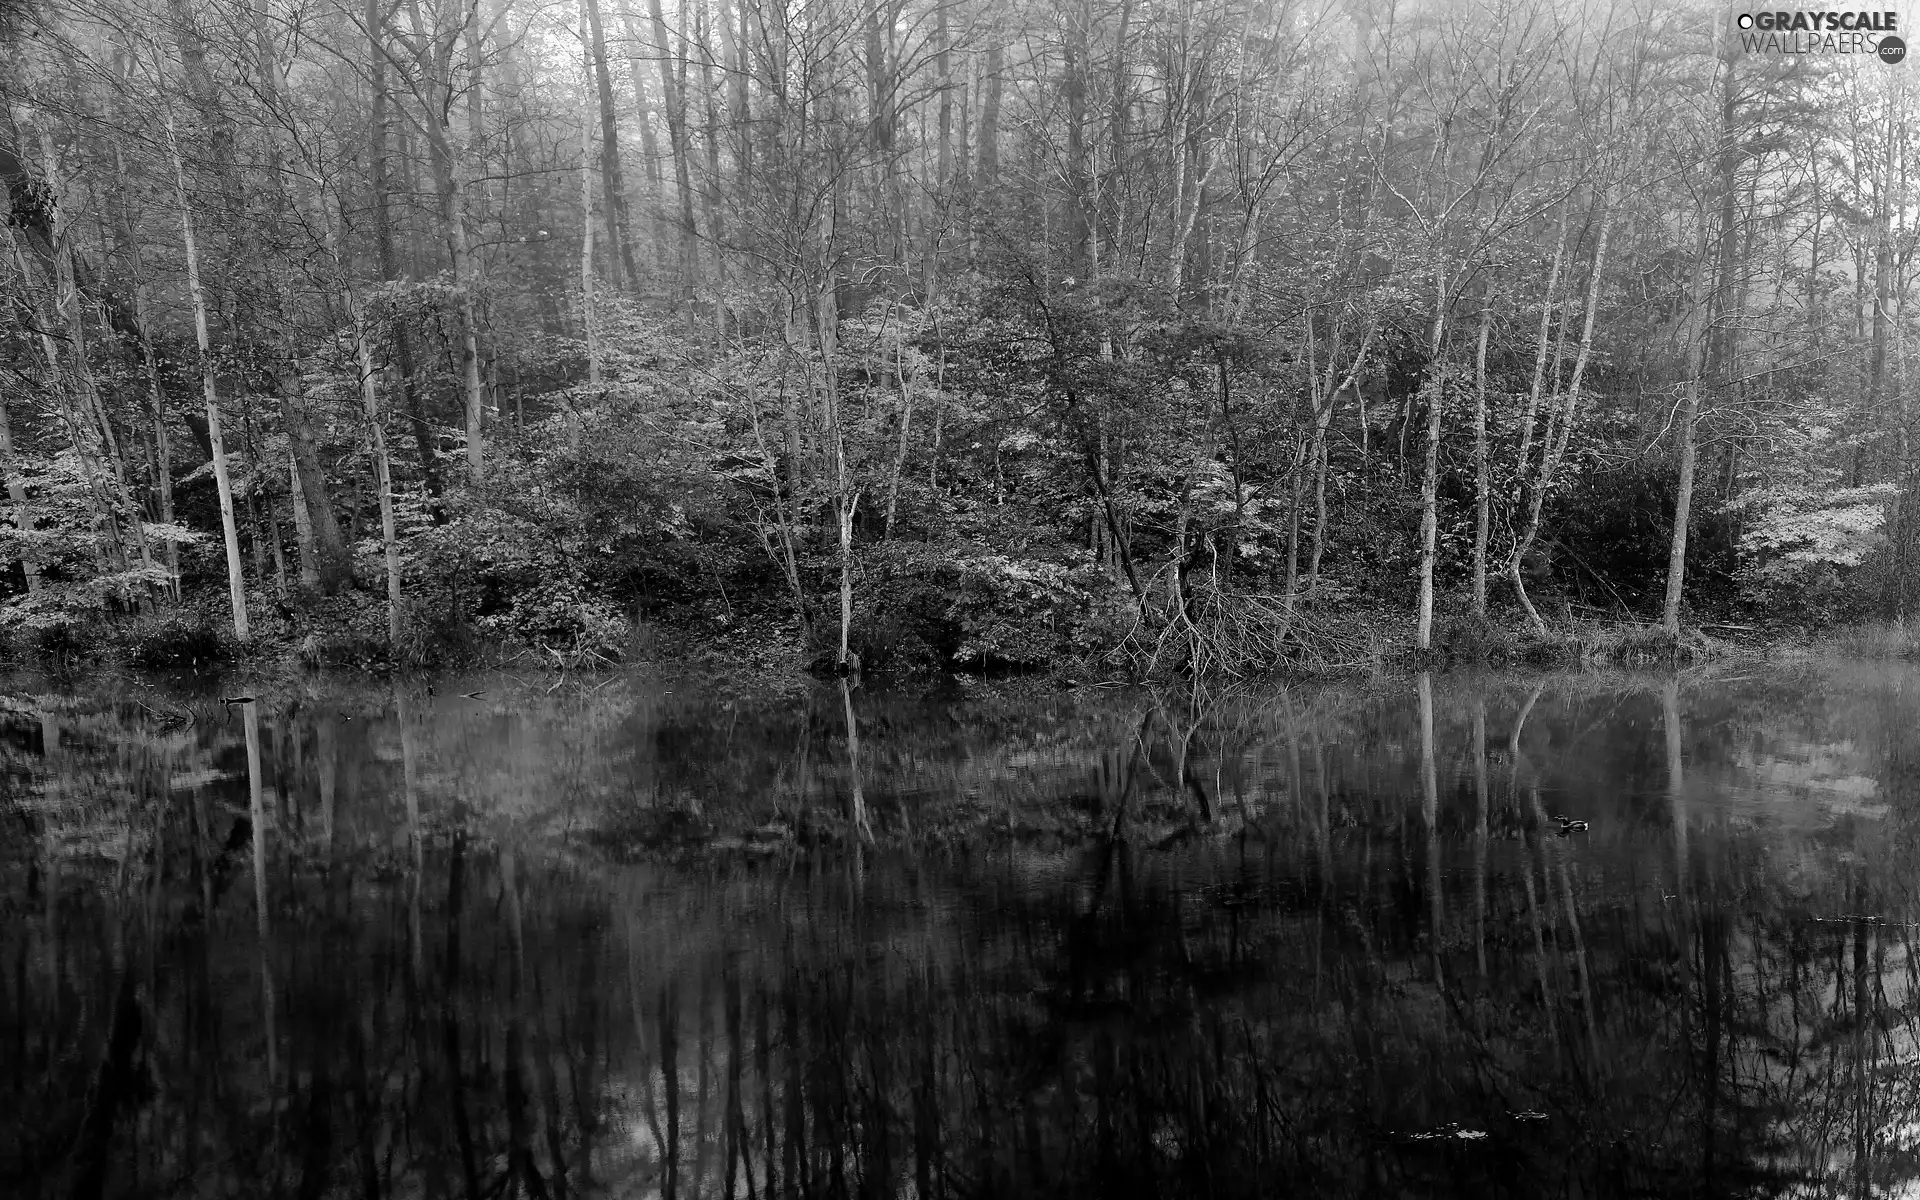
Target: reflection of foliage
(1192, 943)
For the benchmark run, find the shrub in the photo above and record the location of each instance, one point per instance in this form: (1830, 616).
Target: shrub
(179, 637)
(560, 615)
(1025, 613)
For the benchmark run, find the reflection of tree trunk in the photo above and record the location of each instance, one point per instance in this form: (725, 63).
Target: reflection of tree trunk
(326, 761)
(1862, 1110)
(926, 1112)
(520, 1164)
(256, 805)
(703, 1090)
(857, 811)
(115, 1083)
(763, 1064)
(1547, 998)
(1430, 812)
(736, 1120)
(1480, 834)
(669, 1013)
(1580, 961)
(1713, 949)
(1682, 899)
(798, 1168)
(1676, 794)
(450, 1021)
(363, 1108)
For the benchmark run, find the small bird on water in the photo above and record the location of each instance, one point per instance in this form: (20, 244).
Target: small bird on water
(1567, 825)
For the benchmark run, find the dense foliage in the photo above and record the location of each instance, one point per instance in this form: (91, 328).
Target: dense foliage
(951, 331)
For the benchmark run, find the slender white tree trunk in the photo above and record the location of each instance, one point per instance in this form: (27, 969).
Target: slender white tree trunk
(382, 468)
(1482, 473)
(1554, 442)
(1430, 475)
(236, 578)
(588, 317)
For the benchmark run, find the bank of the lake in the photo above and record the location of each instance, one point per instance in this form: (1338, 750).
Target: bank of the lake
(348, 633)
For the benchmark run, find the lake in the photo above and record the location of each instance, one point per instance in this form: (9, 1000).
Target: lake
(646, 935)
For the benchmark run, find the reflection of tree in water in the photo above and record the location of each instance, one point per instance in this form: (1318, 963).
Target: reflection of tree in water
(1124, 946)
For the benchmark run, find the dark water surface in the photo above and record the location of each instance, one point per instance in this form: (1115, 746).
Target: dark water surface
(639, 937)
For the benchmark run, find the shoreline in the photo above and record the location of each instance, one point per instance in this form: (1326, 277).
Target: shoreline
(1377, 643)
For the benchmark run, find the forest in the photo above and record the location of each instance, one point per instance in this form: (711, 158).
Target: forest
(1200, 335)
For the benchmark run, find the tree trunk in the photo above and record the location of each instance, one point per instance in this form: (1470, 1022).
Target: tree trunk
(17, 493)
(380, 130)
(466, 282)
(1554, 441)
(1716, 343)
(382, 472)
(677, 138)
(619, 226)
(1537, 391)
(943, 178)
(733, 51)
(1689, 420)
(595, 62)
(150, 371)
(846, 498)
(905, 387)
(649, 142)
(302, 530)
(1482, 473)
(987, 168)
(332, 559)
(236, 579)
(449, 168)
(94, 440)
(1073, 84)
(710, 193)
(1322, 420)
(1430, 474)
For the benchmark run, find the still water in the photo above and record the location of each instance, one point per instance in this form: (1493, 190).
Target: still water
(647, 936)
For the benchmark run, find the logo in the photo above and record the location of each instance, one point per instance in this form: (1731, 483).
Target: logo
(1822, 32)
